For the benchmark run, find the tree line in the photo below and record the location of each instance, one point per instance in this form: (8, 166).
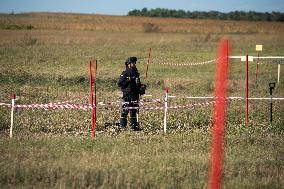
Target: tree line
(234, 15)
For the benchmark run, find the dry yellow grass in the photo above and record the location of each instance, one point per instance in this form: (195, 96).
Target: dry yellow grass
(135, 24)
(49, 64)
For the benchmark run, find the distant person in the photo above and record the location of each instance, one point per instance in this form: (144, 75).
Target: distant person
(131, 87)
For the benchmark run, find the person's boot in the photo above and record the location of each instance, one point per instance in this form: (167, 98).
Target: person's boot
(134, 124)
(122, 122)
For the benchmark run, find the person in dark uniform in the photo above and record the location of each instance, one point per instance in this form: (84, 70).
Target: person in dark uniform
(131, 87)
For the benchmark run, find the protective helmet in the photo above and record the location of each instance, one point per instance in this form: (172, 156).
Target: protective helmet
(130, 60)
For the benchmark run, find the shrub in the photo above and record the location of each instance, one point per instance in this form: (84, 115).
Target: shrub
(149, 27)
(16, 27)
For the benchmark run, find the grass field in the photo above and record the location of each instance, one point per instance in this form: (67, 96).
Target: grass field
(44, 58)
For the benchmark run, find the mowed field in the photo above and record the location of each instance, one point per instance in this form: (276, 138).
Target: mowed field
(44, 58)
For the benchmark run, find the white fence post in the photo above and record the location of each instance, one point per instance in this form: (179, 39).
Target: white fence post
(278, 72)
(166, 110)
(12, 114)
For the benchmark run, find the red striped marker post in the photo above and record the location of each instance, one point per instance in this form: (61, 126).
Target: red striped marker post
(148, 62)
(217, 150)
(93, 99)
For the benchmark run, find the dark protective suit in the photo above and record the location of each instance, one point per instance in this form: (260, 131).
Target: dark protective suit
(129, 82)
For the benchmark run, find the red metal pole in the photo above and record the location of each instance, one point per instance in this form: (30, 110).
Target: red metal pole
(247, 91)
(91, 93)
(217, 149)
(148, 62)
(95, 100)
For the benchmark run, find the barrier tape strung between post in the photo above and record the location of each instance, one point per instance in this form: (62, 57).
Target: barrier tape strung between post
(183, 64)
(271, 62)
(162, 61)
(5, 105)
(158, 100)
(204, 104)
(85, 107)
(215, 100)
(240, 98)
(228, 98)
(116, 104)
(188, 106)
(50, 106)
(53, 104)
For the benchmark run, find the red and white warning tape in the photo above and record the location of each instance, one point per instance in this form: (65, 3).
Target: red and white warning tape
(50, 106)
(183, 64)
(5, 105)
(170, 107)
(237, 98)
(229, 98)
(68, 105)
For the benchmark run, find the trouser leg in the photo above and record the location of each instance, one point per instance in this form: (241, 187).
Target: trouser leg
(123, 117)
(133, 119)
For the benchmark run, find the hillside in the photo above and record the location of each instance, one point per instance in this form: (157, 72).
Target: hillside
(64, 21)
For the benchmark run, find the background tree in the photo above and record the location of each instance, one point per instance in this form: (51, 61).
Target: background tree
(234, 15)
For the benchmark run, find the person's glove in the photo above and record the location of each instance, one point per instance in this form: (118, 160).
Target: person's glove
(142, 89)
